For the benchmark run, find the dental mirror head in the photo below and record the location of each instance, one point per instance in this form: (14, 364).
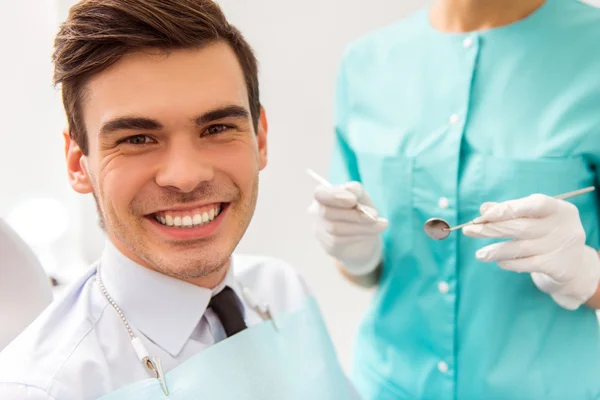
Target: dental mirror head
(437, 229)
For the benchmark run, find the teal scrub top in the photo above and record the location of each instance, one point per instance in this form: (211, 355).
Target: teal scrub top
(434, 124)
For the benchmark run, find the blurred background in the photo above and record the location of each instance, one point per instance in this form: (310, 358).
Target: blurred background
(298, 44)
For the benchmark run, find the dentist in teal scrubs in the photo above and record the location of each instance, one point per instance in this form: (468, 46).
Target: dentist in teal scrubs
(472, 108)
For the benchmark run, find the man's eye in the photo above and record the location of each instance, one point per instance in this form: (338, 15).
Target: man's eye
(137, 140)
(216, 129)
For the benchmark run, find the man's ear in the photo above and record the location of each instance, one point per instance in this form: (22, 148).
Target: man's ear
(263, 127)
(77, 170)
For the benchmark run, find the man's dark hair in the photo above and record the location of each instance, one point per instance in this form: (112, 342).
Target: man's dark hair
(97, 33)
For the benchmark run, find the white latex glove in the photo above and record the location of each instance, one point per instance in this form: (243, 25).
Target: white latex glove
(549, 243)
(344, 232)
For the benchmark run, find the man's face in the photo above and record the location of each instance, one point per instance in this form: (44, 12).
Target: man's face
(173, 157)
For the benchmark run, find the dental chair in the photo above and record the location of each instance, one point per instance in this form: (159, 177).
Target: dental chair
(25, 289)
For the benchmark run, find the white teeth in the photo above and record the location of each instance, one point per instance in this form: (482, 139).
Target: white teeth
(189, 221)
(197, 219)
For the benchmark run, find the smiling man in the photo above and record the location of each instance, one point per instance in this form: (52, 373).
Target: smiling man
(175, 157)
(167, 132)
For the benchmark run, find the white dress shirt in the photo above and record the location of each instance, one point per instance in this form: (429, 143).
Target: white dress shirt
(79, 348)
(25, 289)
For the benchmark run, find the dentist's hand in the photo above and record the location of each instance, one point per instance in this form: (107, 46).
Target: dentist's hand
(344, 232)
(549, 243)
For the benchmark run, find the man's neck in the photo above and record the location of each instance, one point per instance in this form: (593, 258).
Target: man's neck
(471, 15)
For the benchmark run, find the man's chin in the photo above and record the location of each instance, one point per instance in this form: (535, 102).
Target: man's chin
(182, 259)
(199, 256)
(190, 267)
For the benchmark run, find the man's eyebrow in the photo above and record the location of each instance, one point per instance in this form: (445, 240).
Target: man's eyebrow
(130, 123)
(148, 124)
(231, 111)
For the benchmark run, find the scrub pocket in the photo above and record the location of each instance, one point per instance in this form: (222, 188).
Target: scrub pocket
(387, 175)
(507, 179)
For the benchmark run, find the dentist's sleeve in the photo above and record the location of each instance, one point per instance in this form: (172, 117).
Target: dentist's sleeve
(344, 167)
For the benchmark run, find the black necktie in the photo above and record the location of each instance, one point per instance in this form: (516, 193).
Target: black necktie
(227, 307)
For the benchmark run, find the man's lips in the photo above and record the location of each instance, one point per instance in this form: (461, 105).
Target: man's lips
(188, 217)
(178, 225)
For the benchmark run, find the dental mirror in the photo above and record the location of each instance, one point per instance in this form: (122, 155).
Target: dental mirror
(439, 229)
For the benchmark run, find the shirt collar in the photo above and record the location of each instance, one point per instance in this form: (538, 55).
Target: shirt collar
(165, 309)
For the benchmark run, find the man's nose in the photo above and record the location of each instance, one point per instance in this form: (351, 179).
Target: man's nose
(184, 168)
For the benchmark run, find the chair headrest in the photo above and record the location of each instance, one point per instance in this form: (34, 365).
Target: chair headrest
(25, 288)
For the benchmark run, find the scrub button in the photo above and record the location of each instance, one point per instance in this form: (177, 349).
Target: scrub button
(443, 287)
(454, 118)
(468, 42)
(443, 202)
(443, 367)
